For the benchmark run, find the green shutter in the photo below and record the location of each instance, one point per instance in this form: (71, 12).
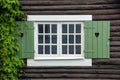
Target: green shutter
(25, 35)
(97, 47)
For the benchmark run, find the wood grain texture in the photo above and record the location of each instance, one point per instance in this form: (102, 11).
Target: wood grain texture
(76, 67)
(72, 7)
(115, 34)
(66, 79)
(115, 38)
(115, 54)
(102, 69)
(111, 61)
(74, 75)
(68, 12)
(115, 43)
(92, 71)
(115, 49)
(67, 2)
(115, 28)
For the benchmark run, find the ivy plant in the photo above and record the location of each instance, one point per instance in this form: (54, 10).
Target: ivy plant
(10, 65)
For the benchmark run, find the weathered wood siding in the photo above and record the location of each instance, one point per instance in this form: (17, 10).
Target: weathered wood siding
(102, 69)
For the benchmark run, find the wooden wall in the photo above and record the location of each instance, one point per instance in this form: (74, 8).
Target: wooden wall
(102, 69)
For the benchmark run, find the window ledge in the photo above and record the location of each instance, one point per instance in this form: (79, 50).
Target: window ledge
(72, 62)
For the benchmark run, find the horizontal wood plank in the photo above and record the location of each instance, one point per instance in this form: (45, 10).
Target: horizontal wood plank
(71, 71)
(72, 7)
(115, 54)
(115, 34)
(77, 67)
(63, 79)
(65, 75)
(115, 49)
(115, 38)
(115, 43)
(66, 2)
(68, 12)
(107, 17)
(115, 28)
(115, 61)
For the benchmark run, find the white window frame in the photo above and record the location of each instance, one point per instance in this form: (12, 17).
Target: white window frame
(59, 39)
(59, 62)
(36, 55)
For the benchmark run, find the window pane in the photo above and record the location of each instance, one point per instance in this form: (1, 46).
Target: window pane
(64, 28)
(54, 38)
(71, 28)
(71, 38)
(78, 28)
(47, 38)
(64, 49)
(40, 28)
(40, 49)
(54, 28)
(78, 38)
(54, 49)
(47, 28)
(71, 49)
(78, 49)
(40, 38)
(47, 49)
(64, 38)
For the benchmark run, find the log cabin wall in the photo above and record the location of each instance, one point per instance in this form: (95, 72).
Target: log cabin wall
(102, 69)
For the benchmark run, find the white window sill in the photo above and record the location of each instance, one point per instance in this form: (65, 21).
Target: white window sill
(58, 62)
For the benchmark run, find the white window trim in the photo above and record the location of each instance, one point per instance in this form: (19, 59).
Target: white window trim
(59, 62)
(59, 17)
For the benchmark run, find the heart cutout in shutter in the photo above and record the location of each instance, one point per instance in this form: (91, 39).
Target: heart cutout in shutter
(97, 34)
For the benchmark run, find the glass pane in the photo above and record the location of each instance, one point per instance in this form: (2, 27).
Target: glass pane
(47, 28)
(64, 28)
(78, 49)
(71, 28)
(71, 38)
(54, 49)
(64, 49)
(47, 49)
(54, 38)
(78, 28)
(71, 49)
(40, 49)
(40, 28)
(40, 38)
(54, 28)
(78, 38)
(64, 38)
(47, 38)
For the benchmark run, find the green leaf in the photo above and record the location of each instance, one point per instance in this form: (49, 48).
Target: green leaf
(9, 64)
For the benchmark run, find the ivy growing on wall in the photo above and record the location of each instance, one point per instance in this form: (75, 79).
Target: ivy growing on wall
(10, 65)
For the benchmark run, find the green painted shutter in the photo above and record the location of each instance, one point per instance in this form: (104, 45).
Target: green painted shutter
(25, 37)
(97, 34)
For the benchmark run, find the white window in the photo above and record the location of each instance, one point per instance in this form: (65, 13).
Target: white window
(58, 40)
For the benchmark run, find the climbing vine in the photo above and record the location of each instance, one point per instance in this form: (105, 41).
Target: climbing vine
(10, 65)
